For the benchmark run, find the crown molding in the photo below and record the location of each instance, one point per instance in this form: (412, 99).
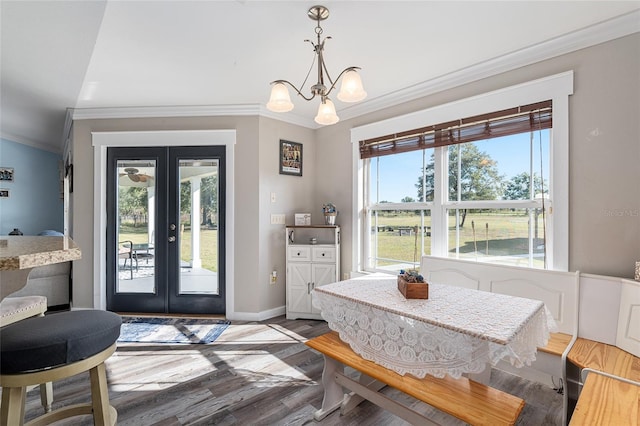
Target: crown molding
(590, 36)
(165, 111)
(595, 34)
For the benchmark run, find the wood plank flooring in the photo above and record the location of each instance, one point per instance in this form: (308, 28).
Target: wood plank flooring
(256, 373)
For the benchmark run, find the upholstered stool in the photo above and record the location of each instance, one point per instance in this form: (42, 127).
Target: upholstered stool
(50, 348)
(14, 309)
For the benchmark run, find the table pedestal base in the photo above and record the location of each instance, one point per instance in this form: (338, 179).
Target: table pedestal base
(483, 377)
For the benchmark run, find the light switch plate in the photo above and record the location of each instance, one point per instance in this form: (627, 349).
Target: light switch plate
(277, 219)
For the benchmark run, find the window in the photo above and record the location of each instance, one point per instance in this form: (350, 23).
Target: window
(478, 188)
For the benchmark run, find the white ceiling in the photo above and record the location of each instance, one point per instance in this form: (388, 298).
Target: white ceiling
(223, 54)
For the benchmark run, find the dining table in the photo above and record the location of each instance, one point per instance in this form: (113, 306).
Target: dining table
(20, 254)
(456, 331)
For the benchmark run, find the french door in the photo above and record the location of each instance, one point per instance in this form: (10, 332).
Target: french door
(166, 229)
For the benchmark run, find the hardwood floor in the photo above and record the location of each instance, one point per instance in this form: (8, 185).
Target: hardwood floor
(255, 373)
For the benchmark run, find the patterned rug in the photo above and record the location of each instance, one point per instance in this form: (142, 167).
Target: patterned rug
(171, 330)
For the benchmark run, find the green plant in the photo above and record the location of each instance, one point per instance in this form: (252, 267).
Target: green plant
(411, 276)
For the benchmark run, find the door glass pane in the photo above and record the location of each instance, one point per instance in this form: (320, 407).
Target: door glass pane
(136, 222)
(198, 226)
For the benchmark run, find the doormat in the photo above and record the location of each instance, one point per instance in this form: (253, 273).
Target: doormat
(171, 330)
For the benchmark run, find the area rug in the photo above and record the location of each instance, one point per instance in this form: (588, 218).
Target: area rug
(171, 330)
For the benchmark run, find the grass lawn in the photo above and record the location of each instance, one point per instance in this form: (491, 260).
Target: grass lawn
(495, 234)
(208, 243)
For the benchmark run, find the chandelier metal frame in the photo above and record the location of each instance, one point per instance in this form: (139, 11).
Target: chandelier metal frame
(280, 101)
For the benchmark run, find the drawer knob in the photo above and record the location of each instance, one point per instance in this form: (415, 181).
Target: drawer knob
(298, 253)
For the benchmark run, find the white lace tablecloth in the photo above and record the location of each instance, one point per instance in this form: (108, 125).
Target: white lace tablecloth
(455, 331)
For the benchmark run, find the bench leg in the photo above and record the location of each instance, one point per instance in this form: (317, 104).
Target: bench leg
(384, 401)
(352, 400)
(333, 392)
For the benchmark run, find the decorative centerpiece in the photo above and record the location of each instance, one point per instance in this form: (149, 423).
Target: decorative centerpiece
(330, 213)
(412, 285)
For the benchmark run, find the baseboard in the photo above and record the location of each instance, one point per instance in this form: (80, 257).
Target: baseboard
(256, 316)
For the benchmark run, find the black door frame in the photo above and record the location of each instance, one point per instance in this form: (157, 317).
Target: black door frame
(166, 299)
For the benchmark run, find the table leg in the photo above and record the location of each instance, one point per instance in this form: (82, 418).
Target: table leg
(333, 392)
(483, 377)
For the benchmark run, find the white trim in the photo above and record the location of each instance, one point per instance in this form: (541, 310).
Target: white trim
(164, 111)
(102, 140)
(557, 87)
(257, 316)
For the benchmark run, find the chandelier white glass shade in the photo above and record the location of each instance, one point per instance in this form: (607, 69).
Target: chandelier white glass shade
(351, 89)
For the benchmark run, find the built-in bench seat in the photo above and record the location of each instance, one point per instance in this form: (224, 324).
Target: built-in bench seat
(606, 358)
(611, 391)
(607, 400)
(558, 344)
(469, 401)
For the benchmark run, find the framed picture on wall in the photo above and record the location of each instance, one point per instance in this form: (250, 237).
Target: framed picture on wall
(4, 193)
(6, 174)
(290, 158)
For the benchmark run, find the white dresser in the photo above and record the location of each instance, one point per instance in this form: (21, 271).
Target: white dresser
(313, 259)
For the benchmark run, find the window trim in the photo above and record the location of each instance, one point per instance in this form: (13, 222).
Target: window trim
(556, 87)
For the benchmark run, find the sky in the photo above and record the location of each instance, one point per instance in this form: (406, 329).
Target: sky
(399, 173)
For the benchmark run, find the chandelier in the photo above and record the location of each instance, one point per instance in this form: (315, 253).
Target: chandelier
(351, 89)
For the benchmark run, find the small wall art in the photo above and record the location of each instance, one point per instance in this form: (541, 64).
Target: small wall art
(4, 193)
(290, 158)
(6, 174)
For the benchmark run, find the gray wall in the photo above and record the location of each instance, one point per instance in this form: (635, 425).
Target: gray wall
(604, 173)
(258, 245)
(604, 145)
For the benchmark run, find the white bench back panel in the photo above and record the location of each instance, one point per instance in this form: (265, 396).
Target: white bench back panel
(558, 290)
(628, 337)
(599, 306)
(452, 277)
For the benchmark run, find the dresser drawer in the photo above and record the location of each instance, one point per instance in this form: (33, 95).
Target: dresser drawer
(323, 254)
(299, 253)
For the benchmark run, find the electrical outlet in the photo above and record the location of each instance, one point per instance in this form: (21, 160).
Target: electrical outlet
(274, 277)
(345, 276)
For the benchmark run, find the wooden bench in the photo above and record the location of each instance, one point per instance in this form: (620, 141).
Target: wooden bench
(607, 400)
(611, 390)
(469, 401)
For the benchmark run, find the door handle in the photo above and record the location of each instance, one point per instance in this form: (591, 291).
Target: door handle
(172, 239)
